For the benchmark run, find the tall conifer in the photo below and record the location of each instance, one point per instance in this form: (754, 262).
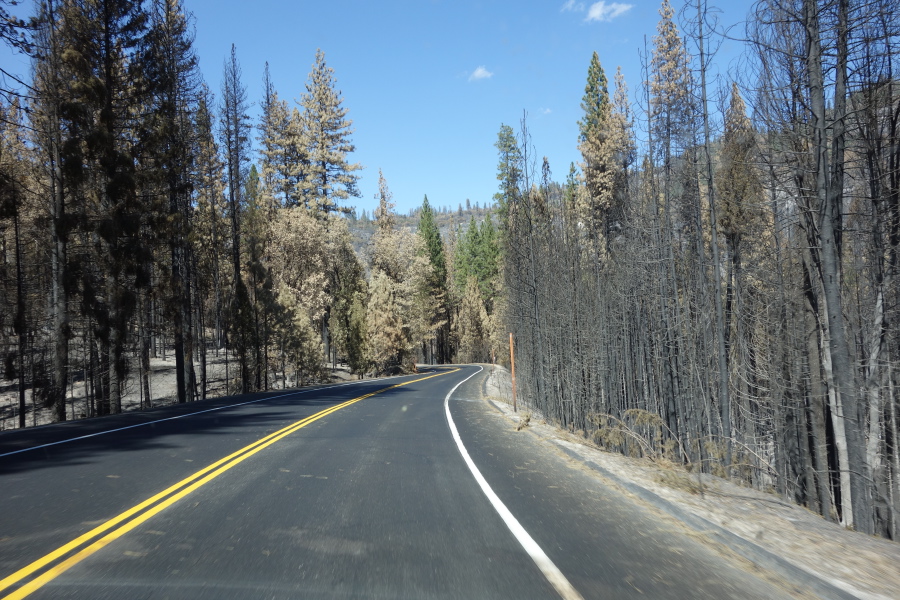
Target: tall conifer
(235, 132)
(437, 282)
(98, 42)
(509, 171)
(172, 78)
(49, 118)
(330, 179)
(596, 148)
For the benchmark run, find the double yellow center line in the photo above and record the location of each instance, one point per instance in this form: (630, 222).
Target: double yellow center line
(100, 536)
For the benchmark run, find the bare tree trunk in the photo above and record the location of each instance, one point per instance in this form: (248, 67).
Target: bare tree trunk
(873, 381)
(724, 397)
(202, 349)
(145, 349)
(58, 302)
(235, 138)
(177, 316)
(830, 196)
(895, 449)
(818, 394)
(21, 334)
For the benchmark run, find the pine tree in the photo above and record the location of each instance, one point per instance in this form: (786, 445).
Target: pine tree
(285, 156)
(472, 326)
(488, 264)
(208, 233)
(329, 178)
(738, 182)
(357, 334)
(435, 245)
(466, 260)
(299, 262)
(402, 257)
(670, 88)
(624, 149)
(235, 130)
(739, 188)
(436, 284)
(477, 255)
(594, 103)
(671, 131)
(272, 124)
(509, 172)
(596, 142)
(385, 243)
(348, 285)
(170, 73)
(49, 117)
(98, 43)
(256, 225)
(297, 161)
(384, 324)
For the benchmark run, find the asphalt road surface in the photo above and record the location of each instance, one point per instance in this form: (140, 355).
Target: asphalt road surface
(361, 490)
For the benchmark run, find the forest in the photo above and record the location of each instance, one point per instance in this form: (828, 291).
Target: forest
(138, 221)
(715, 285)
(712, 285)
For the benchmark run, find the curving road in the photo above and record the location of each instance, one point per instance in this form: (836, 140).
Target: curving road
(352, 491)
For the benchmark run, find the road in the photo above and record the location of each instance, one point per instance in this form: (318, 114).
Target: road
(351, 491)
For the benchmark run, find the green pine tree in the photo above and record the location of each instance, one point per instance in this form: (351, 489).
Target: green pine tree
(437, 281)
(509, 171)
(472, 326)
(329, 178)
(595, 102)
(478, 256)
(428, 229)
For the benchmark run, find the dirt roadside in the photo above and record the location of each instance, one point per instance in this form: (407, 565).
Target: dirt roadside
(774, 535)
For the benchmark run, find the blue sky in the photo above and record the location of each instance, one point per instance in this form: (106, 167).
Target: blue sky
(429, 82)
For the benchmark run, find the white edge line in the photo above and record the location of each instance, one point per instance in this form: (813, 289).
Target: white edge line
(550, 571)
(199, 412)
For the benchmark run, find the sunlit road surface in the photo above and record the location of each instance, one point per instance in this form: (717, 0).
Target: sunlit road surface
(353, 491)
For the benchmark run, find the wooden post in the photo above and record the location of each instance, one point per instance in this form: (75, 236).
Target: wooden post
(512, 366)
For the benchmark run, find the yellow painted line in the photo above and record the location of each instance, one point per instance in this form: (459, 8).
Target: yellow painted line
(217, 468)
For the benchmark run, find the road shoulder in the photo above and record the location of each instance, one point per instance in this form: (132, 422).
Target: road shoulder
(773, 535)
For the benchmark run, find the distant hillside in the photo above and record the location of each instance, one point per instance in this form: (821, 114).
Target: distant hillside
(362, 225)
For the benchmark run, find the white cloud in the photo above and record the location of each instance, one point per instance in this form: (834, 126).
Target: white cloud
(480, 73)
(572, 6)
(601, 11)
(546, 111)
